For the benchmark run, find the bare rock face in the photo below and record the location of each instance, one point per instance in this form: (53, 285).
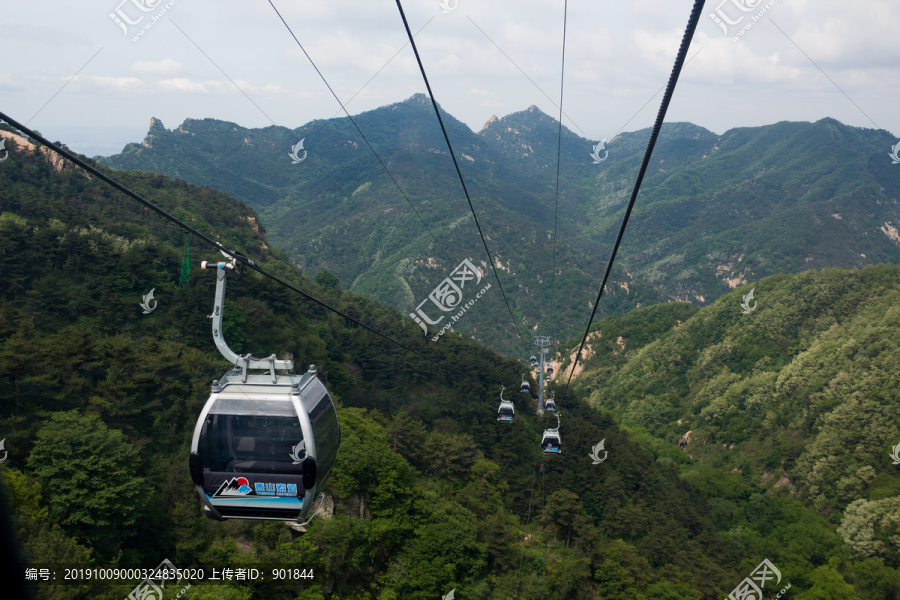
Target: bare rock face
(327, 510)
(20, 144)
(357, 507)
(685, 439)
(784, 481)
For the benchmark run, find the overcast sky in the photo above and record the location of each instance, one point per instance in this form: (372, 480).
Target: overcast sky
(802, 60)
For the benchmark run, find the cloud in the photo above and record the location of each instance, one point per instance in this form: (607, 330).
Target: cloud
(118, 84)
(839, 37)
(270, 89)
(221, 87)
(721, 61)
(658, 47)
(167, 66)
(183, 84)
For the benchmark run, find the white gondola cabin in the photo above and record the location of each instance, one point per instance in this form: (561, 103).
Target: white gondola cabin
(525, 387)
(265, 443)
(551, 441)
(507, 410)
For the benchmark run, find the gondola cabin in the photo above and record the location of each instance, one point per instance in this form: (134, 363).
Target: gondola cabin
(507, 411)
(549, 404)
(551, 441)
(263, 449)
(549, 369)
(264, 443)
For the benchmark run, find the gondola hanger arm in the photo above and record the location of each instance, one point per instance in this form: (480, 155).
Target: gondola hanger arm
(245, 361)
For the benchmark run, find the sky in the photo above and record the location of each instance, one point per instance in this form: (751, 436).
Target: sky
(77, 76)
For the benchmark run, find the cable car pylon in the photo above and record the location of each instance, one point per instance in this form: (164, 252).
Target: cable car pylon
(543, 342)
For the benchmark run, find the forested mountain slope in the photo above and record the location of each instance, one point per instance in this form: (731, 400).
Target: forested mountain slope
(430, 492)
(799, 396)
(714, 211)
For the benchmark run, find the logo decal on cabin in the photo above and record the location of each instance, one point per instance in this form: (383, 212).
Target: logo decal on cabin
(276, 489)
(238, 486)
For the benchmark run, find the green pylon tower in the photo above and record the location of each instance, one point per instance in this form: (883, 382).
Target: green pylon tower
(185, 278)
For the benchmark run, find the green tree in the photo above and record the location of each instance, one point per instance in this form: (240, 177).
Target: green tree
(41, 540)
(872, 529)
(565, 512)
(407, 436)
(614, 579)
(827, 584)
(443, 552)
(569, 576)
(88, 470)
(449, 453)
(874, 580)
(328, 281)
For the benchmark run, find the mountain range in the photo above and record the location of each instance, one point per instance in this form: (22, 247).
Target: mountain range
(715, 211)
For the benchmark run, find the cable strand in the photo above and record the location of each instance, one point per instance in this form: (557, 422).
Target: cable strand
(458, 172)
(562, 79)
(654, 134)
